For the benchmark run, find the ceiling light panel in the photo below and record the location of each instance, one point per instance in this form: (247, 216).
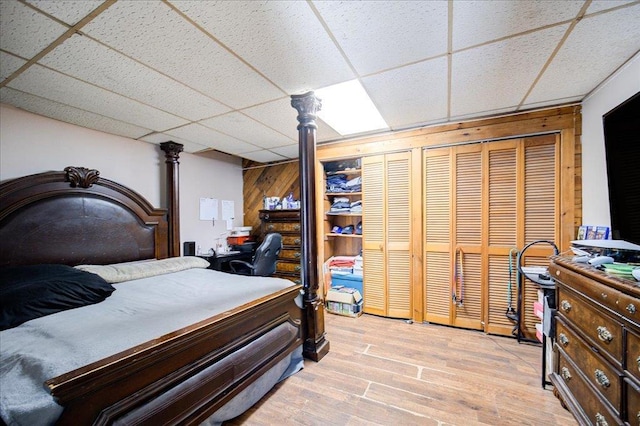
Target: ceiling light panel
(70, 12)
(205, 136)
(347, 108)
(270, 34)
(247, 129)
(70, 114)
(159, 37)
(66, 90)
(401, 31)
(24, 31)
(596, 47)
(89, 61)
(498, 75)
(9, 64)
(476, 22)
(411, 95)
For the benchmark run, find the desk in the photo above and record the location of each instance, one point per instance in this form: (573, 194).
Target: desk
(220, 262)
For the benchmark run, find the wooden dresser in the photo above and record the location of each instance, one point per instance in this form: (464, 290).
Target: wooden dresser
(597, 373)
(287, 224)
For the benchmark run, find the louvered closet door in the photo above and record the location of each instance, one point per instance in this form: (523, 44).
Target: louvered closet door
(467, 231)
(437, 234)
(541, 207)
(373, 235)
(398, 238)
(502, 231)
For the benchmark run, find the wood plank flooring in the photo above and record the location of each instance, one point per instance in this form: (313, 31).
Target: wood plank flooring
(382, 371)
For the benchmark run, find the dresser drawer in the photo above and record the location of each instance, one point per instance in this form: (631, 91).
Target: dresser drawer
(291, 240)
(632, 357)
(622, 304)
(281, 227)
(603, 331)
(633, 402)
(291, 254)
(284, 266)
(594, 408)
(599, 372)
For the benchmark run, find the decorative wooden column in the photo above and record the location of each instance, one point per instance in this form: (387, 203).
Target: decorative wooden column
(172, 152)
(315, 345)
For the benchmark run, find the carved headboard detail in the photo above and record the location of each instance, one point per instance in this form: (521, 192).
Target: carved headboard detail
(76, 216)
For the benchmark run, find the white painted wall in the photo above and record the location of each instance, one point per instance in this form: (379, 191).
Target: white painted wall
(30, 144)
(615, 90)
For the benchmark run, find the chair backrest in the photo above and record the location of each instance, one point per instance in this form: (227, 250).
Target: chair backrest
(266, 256)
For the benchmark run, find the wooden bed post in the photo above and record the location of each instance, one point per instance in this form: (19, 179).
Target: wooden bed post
(315, 345)
(172, 152)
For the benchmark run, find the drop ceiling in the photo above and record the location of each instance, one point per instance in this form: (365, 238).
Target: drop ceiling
(219, 74)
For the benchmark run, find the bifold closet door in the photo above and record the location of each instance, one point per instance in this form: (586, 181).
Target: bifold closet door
(453, 235)
(386, 223)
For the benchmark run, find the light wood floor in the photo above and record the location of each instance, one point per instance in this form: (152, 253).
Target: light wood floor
(382, 371)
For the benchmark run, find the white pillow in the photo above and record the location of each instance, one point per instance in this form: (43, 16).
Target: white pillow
(119, 272)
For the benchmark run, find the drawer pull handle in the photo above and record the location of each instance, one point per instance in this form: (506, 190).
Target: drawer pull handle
(604, 334)
(297, 281)
(602, 378)
(638, 362)
(297, 254)
(600, 420)
(563, 339)
(296, 227)
(566, 306)
(297, 241)
(297, 268)
(631, 308)
(270, 227)
(566, 375)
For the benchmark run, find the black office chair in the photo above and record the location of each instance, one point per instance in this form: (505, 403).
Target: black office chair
(264, 259)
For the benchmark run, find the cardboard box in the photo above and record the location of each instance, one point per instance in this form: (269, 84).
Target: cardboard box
(344, 301)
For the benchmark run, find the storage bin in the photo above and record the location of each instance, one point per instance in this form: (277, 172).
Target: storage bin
(347, 280)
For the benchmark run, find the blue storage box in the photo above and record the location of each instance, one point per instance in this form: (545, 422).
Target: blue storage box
(347, 280)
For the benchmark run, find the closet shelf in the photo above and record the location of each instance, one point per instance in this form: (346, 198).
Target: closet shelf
(344, 214)
(331, 234)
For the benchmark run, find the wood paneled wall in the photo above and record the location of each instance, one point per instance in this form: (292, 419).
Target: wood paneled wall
(261, 180)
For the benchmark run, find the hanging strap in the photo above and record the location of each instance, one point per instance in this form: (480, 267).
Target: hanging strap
(510, 285)
(458, 277)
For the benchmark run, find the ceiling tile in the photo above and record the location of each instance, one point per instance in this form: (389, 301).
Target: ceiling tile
(68, 11)
(57, 87)
(205, 136)
(268, 35)
(599, 5)
(247, 129)
(89, 61)
(498, 75)
(410, 95)
(69, 114)
(551, 102)
(159, 37)
(278, 114)
(596, 47)
(378, 35)
(476, 22)
(263, 156)
(9, 64)
(188, 146)
(289, 151)
(24, 31)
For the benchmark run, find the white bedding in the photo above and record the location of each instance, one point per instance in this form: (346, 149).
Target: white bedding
(138, 311)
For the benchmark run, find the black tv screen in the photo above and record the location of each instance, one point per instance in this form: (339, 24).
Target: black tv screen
(622, 148)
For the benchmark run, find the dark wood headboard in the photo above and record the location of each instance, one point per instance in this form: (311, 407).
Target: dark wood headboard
(77, 217)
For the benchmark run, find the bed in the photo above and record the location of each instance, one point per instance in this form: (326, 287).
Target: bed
(210, 366)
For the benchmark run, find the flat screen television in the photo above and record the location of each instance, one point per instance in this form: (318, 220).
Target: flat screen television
(622, 149)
